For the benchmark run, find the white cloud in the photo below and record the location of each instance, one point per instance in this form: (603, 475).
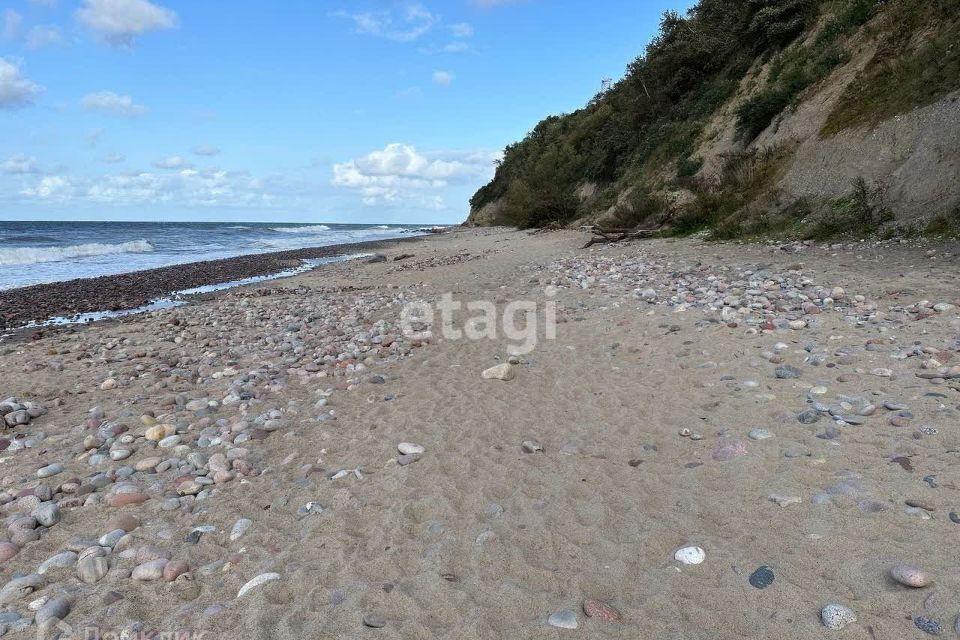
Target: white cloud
(400, 172)
(112, 158)
(52, 188)
(189, 187)
(443, 78)
(173, 162)
(112, 104)
(20, 164)
(206, 150)
(461, 30)
(402, 24)
(10, 24)
(15, 90)
(44, 35)
(121, 22)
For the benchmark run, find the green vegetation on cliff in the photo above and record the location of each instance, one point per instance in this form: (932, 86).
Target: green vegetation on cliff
(640, 138)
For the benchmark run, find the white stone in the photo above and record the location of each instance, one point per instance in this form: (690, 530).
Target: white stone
(500, 372)
(408, 448)
(690, 555)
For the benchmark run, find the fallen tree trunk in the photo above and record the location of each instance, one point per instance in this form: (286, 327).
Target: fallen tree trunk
(607, 236)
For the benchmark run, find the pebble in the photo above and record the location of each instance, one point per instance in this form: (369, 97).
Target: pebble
(690, 555)
(58, 561)
(787, 372)
(784, 501)
(47, 514)
(239, 528)
(762, 578)
(531, 446)
(112, 538)
(910, 576)
(929, 625)
(503, 371)
(52, 612)
(374, 621)
(149, 571)
(837, 616)
(409, 448)
(563, 619)
(601, 611)
(50, 470)
(8, 550)
(759, 434)
(91, 570)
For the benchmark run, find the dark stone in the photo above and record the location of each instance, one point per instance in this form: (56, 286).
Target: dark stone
(809, 416)
(762, 577)
(929, 625)
(786, 372)
(955, 517)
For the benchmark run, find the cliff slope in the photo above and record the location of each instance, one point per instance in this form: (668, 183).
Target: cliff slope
(811, 118)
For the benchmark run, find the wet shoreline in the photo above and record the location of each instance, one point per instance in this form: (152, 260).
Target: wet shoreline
(38, 303)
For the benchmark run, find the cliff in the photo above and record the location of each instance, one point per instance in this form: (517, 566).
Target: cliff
(809, 118)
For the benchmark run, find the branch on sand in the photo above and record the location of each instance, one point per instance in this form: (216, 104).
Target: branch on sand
(607, 236)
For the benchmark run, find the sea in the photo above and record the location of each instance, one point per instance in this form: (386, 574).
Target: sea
(41, 252)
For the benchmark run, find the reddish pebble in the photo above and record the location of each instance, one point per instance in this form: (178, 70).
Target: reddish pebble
(601, 610)
(174, 569)
(8, 550)
(123, 521)
(123, 499)
(910, 576)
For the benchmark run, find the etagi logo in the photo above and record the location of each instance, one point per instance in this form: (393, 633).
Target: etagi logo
(519, 322)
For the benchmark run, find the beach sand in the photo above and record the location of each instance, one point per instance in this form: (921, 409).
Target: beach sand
(643, 404)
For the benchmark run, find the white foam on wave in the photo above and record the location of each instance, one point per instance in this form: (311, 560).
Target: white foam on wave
(36, 255)
(310, 228)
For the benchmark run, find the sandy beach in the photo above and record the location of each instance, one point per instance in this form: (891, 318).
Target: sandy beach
(282, 461)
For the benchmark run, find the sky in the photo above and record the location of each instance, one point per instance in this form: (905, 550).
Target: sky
(365, 111)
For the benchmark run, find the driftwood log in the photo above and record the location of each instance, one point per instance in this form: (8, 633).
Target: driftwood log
(605, 236)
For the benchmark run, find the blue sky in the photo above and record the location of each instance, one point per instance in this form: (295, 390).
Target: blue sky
(304, 110)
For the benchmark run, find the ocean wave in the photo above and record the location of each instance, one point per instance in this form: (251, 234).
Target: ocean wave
(310, 228)
(36, 255)
(238, 226)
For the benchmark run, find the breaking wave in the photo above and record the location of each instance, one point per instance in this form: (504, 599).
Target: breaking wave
(310, 228)
(36, 255)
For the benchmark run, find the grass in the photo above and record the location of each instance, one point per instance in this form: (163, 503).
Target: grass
(860, 213)
(729, 209)
(944, 225)
(800, 67)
